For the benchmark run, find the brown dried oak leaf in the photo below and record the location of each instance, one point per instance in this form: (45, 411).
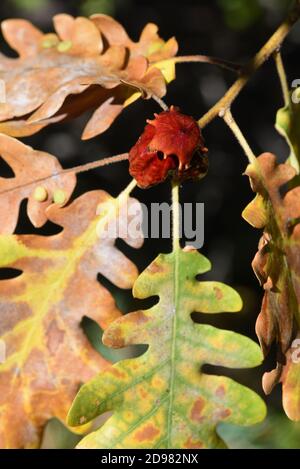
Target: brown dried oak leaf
(32, 181)
(277, 266)
(47, 353)
(86, 64)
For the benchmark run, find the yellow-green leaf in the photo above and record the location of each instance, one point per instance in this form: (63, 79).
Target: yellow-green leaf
(163, 399)
(47, 353)
(288, 125)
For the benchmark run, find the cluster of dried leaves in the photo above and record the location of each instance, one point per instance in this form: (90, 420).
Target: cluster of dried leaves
(276, 209)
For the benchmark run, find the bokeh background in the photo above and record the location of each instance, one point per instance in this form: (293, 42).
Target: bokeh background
(230, 29)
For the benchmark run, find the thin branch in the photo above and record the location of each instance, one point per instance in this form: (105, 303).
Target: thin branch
(175, 216)
(233, 67)
(119, 202)
(259, 59)
(126, 192)
(282, 77)
(76, 170)
(160, 101)
(96, 164)
(228, 118)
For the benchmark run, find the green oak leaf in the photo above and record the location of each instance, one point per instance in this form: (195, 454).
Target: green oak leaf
(163, 399)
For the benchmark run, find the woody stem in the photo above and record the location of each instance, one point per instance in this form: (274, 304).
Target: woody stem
(233, 67)
(282, 77)
(259, 59)
(228, 118)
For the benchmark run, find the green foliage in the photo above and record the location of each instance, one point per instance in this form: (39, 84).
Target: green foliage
(275, 432)
(163, 399)
(108, 7)
(30, 5)
(239, 14)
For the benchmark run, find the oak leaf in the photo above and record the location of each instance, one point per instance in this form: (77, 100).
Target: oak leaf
(47, 353)
(163, 398)
(34, 179)
(85, 64)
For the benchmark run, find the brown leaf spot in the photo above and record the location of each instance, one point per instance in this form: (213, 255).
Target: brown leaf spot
(143, 393)
(193, 444)
(13, 315)
(220, 392)
(114, 338)
(137, 318)
(55, 337)
(147, 433)
(221, 414)
(197, 409)
(117, 373)
(155, 268)
(218, 293)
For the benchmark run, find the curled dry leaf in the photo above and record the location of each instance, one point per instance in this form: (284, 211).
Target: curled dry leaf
(163, 398)
(85, 64)
(47, 353)
(277, 266)
(30, 169)
(170, 144)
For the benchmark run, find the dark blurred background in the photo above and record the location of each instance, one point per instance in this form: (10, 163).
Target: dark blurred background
(230, 29)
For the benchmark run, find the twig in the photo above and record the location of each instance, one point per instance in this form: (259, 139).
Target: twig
(76, 170)
(127, 191)
(282, 77)
(160, 101)
(228, 118)
(233, 67)
(259, 59)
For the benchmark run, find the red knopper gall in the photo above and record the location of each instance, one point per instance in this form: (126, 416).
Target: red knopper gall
(171, 144)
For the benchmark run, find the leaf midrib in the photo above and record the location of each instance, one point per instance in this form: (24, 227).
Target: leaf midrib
(173, 347)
